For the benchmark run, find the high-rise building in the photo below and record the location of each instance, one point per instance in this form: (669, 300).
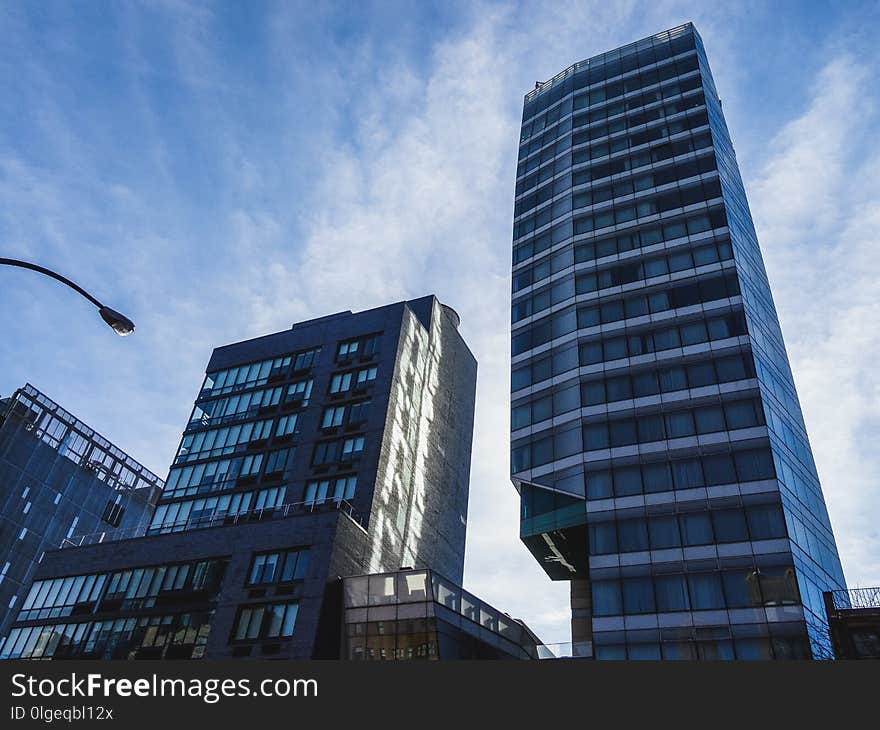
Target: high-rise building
(657, 442)
(339, 447)
(58, 478)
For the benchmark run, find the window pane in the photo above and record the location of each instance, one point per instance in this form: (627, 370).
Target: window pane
(638, 595)
(664, 532)
(696, 529)
(719, 469)
(606, 598)
(603, 538)
(766, 521)
(657, 477)
(730, 525)
(627, 481)
(598, 484)
(672, 593)
(705, 591)
(632, 535)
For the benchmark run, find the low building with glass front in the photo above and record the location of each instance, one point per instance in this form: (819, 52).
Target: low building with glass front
(418, 614)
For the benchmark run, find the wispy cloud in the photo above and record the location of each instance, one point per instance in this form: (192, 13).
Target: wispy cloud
(816, 205)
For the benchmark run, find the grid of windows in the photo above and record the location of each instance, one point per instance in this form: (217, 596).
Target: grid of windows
(639, 342)
(600, 69)
(686, 529)
(164, 636)
(568, 440)
(234, 407)
(212, 511)
(616, 310)
(128, 589)
(628, 273)
(639, 384)
(255, 374)
(221, 441)
(696, 591)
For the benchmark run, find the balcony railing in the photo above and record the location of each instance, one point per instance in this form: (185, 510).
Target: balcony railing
(255, 515)
(856, 598)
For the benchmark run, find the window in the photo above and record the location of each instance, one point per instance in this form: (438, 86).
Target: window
(679, 424)
(672, 379)
(598, 484)
(359, 412)
(340, 382)
(370, 345)
(657, 477)
(627, 481)
(730, 525)
(705, 591)
(696, 528)
(687, 473)
(306, 359)
(623, 433)
(279, 567)
(325, 490)
(333, 416)
(606, 598)
(638, 595)
(709, 420)
(299, 392)
(732, 368)
(326, 452)
(741, 588)
(632, 535)
(718, 469)
(287, 425)
(742, 414)
(276, 461)
(347, 349)
(352, 447)
(753, 465)
(250, 465)
(663, 532)
(603, 538)
(595, 436)
(766, 521)
(267, 621)
(366, 375)
(672, 593)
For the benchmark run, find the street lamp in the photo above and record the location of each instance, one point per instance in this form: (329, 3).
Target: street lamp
(120, 324)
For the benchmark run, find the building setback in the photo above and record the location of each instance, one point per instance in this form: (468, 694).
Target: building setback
(339, 447)
(58, 479)
(657, 442)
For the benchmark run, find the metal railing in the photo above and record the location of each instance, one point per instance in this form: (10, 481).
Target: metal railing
(543, 86)
(856, 598)
(73, 439)
(280, 512)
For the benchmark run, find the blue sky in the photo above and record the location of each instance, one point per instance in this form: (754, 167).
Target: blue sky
(221, 170)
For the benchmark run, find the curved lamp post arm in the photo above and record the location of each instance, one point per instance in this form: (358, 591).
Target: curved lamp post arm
(121, 324)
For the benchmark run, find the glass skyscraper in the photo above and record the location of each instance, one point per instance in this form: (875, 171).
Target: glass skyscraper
(657, 442)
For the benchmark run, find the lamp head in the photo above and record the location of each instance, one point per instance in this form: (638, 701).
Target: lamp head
(121, 324)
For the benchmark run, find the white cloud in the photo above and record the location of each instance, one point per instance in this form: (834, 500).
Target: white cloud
(816, 205)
